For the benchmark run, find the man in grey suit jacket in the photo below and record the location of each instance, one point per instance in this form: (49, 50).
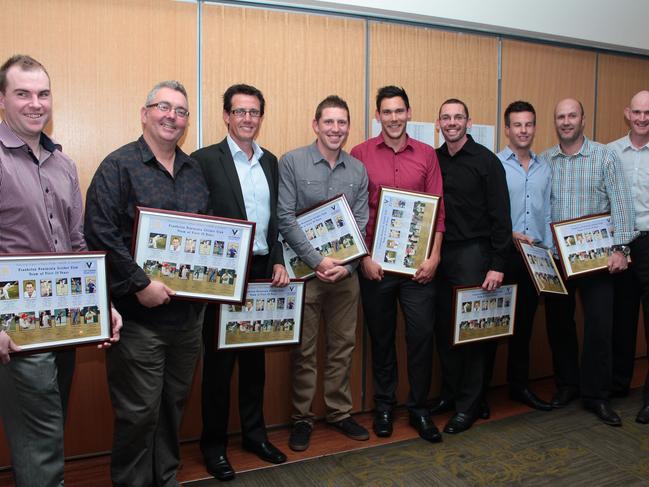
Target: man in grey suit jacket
(242, 178)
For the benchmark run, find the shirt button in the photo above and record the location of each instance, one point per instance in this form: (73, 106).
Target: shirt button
(56, 241)
(47, 190)
(51, 216)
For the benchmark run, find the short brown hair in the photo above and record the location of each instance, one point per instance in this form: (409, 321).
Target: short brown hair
(26, 63)
(332, 101)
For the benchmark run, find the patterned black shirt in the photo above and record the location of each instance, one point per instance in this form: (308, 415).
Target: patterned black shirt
(129, 177)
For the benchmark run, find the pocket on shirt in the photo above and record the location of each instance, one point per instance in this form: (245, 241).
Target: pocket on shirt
(315, 191)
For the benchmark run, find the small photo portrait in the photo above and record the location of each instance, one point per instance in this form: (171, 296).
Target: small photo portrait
(597, 235)
(29, 288)
(500, 302)
(579, 238)
(310, 233)
(394, 234)
(280, 303)
(395, 223)
(290, 302)
(46, 288)
(61, 317)
(227, 276)
(233, 250)
(26, 320)
(199, 273)
(8, 322)
(588, 236)
(45, 319)
(485, 305)
(390, 257)
(260, 304)
(492, 303)
(392, 244)
(339, 220)
(204, 247)
(397, 213)
(75, 316)
(90, 315)
(604, 233)
(249, 304)
(329, 223)
(476, 306)
(270, 304)
(570, 240)
(75, 285)
(212, 273)
(466, 307)
(157, 241)
(235, 308)
(219, 248)
(346, 240)
(183, 271)
(91, 284)
(175, 243)
(168, 269)
(320, 229)
(326, 249)
(401, 204)
(190, 245)
(62, 286)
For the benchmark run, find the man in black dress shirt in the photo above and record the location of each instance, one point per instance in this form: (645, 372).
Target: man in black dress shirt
(150, 370)
(477, 241)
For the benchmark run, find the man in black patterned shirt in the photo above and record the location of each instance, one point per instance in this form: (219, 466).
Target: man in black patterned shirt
(150, 372)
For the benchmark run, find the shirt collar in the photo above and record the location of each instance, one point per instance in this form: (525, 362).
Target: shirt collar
(585, 150)
(235, 149)
(147, 155)
(628, 145)
(11, 141)
(317, 157)
(470, 147)
(380, 140)
(507, 153)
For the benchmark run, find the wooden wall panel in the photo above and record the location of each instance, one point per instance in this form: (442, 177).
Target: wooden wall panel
(103, 57)
(295, 60)
(543, 75)
(618, 79)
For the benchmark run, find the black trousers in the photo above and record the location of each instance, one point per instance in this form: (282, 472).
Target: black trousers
(596, 292)
(463, 367)
(217, 373)
(380, 309)
(632, 288)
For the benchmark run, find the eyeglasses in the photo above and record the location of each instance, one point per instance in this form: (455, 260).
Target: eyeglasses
(165, 107)
(242, 112)
(448, 118)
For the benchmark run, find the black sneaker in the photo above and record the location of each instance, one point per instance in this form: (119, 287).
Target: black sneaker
(300, 436)
(350, 428)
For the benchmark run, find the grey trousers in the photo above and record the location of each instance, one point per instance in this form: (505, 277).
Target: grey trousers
(150, 374)
(34, 391)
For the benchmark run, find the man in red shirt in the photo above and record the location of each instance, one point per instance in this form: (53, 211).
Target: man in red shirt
(396, 160)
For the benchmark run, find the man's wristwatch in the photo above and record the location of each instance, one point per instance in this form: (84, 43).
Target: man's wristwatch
(624, 249)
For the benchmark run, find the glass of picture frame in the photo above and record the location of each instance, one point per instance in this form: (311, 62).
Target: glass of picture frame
(404, 230)
(583, 244)
(331, 229)
(54, 300)
(198, 256)
(542, 269)
(268, 316)
(483, 315)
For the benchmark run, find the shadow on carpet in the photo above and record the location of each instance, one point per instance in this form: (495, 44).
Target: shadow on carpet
(564, 447)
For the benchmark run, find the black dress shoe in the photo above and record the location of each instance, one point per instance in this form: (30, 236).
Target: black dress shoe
(382, 424)
(441, 406)
(528, 398)
(459, 423)
(484, 412)
(426, 428)
(219, 467)
(563, 397)
(603, 411)
(643, 415)
(265, 450)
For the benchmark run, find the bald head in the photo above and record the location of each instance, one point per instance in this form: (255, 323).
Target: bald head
(569, 121)
(637, 114)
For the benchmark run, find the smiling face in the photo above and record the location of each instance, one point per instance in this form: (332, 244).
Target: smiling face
(394, 117)
(243, 129)
(27, 102)
(164, 128)
(637, 113)
(332, 129)
(521, 130)
(569, 121)
(453, 122)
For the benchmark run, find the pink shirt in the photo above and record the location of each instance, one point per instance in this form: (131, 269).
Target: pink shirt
(413, 168)
(40, 203)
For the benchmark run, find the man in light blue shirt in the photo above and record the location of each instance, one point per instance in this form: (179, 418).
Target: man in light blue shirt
(633, 151)
(528, 182)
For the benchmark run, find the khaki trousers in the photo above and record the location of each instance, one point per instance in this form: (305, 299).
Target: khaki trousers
(337, 305)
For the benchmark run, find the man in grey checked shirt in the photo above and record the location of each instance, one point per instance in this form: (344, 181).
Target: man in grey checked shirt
(586, 180)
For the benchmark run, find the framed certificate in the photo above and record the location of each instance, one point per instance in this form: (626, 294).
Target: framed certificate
(268, 316)
(583, 244)
(404, 231)
(53, 300)
(331, 229)
(483, 315)
(198, 256)
(542, 269)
